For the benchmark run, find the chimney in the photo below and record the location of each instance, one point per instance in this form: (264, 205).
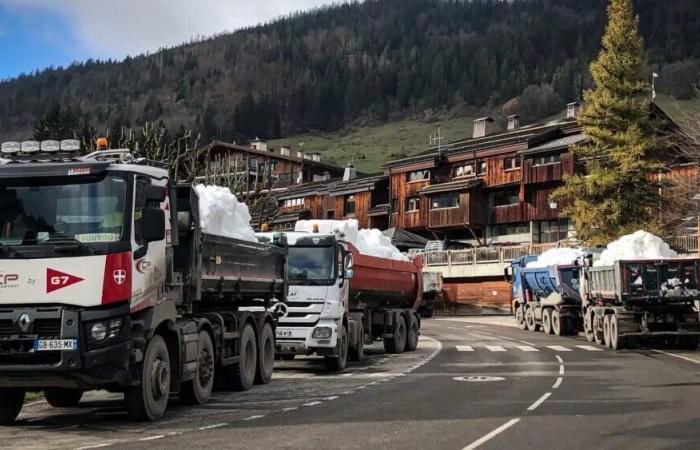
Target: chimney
(482, 127)
(307, 156)
(300, 155)
(350, 172)
(513, 122)
(326, 176)
(316, 157)
(259, 144)
(285, 150)
(572, 110)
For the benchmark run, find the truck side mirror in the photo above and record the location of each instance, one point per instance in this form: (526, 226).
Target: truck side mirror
(153, 224)
(348, 274)
(347, 261)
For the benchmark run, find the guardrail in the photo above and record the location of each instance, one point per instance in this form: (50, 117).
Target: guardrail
(483, 255)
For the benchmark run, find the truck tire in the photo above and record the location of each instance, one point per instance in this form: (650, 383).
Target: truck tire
(63, 398)
(617, 342)
(11, 401)
(413, 333)
(242, 373)
(149, 399)
(266, 359)
(337, 362)
(520, 318)
(588, 327)
(606, 330)
(198, 390)
(547, 321)
(357, 352)
(558, 328)
(396, 343)
(530, 320)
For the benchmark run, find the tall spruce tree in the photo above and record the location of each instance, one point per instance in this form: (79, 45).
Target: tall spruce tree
(616, 194)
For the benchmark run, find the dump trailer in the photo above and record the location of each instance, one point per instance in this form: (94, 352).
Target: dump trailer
(107, 281)
(546, 297)
(641, 299)
(340, 299)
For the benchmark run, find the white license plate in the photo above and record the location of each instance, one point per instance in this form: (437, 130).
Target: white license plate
(55, 344)
(284, 333)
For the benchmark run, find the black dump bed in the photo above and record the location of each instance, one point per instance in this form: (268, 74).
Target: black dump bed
(217, 268)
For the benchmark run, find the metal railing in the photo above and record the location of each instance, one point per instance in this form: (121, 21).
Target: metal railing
(684, 244)
(483, 255)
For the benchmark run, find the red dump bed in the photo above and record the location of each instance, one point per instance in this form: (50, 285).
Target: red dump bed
(385, 282)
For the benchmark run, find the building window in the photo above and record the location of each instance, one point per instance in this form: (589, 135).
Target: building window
(511, 163)
(510, 228)
(330, 215)
(482, 168)
(445, 201)
(290, 202)
(412, 204)
(546, 160)
(467, 170)
(272, 166)
(285, 176)
(506, 198)
(418, 175)
(350, 205)
(554, 230)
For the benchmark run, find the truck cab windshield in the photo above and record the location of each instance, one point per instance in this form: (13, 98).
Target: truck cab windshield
(311, 265)
(46, 211)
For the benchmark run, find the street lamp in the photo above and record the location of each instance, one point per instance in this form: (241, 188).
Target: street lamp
(696, 199)
(553, 205)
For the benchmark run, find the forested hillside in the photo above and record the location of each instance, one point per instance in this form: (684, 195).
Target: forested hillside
(357, 63)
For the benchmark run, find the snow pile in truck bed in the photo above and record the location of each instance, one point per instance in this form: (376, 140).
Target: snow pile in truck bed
(221, 214)
(638, 245)
(368, 242)
(560, 256)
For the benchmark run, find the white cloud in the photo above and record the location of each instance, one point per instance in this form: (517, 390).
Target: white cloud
(116, 28)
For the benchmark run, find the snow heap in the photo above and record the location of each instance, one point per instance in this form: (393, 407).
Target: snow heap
(221, 214)
(368, 242)
(560, 256)
(638, 245)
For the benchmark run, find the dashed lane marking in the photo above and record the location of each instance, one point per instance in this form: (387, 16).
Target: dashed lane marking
(491, 435)
(213, 426)
(590, 348)
(495, 348)
(152, 438)
(312, 404)
(465, 348)
(259, 416)
(558, 382)
(527, 348)
(539, 401)
(559, 348)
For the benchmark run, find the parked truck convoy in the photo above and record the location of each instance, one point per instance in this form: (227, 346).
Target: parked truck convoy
(340, 299)
(108, 282)
(613, 305)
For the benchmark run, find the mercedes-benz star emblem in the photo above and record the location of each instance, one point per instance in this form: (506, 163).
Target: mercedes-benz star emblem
(24, 322)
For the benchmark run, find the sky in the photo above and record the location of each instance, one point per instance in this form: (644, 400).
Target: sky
(35, 34)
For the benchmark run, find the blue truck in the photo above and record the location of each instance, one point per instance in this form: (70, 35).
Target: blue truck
(545, 297)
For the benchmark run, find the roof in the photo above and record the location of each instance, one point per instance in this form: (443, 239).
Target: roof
(556, 144)
(454, 186)
(403, 238)
(306, 189)
(360, 184)
(291, 217)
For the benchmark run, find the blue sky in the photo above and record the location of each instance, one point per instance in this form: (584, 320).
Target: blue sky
(35, 34)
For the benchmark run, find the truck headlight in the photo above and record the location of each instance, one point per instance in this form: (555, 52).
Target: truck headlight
(322, 333)
(98, 331)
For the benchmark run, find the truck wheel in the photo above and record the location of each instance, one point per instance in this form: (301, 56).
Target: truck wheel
(266, 361)
(243, 372)
(616, 341)
(520, 318)
(148, 400)
(357, 353)
(546, 321)
(530, 320)
(337, 362)
(63, 398)
(11, 401)
(557, 325)
(198, 391)
(606, 330)
(397, 343)
(413, 333)
(588, 327)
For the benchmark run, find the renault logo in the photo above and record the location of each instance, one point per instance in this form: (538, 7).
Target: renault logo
(24, 322)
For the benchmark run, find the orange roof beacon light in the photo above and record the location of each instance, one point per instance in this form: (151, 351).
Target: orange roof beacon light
(314, 228)
(264, 228)
(102, 143)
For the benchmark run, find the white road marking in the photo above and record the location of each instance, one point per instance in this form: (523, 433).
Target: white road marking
(558, 382)
(561, 370)
(561, 361)
(539, 401)
(152, 438)
(291, 408)
(495, 348)
(683, 357)
(465, 348)
(504, 337)
(94, 446)
(526, 342)
(331, 398)
(590, 348)
(260, 416)
(211, 427)
(491, 435)
(558, 348)
(312, 404)
(527, 348)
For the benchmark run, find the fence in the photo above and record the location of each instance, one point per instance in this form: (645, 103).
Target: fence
(684, 244)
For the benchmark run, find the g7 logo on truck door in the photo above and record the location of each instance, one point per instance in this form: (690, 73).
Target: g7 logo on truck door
(56, 280)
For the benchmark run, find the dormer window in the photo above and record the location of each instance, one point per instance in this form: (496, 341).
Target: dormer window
(418, 175)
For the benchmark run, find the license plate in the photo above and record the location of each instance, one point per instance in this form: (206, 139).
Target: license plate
(55, 344)
(284, 333)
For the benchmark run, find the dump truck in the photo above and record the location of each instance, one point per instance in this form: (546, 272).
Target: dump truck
(107, 281)
(545, 297)
(633, 299)
(340, 299)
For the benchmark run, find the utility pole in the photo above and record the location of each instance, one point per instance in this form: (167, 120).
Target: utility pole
(654, 76)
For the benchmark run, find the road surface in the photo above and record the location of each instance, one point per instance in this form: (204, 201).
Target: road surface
(468, 385)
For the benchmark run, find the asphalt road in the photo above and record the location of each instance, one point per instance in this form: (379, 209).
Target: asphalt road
(468, 385)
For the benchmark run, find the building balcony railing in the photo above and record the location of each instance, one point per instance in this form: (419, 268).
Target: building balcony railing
(484, 255)
(684, 244)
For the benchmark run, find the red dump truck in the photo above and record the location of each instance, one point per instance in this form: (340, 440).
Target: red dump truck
(339, 300)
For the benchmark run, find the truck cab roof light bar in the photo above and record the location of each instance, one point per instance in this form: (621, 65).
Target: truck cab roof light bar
(50, 146)
(11, 148)
(31, 146)
(70, 145)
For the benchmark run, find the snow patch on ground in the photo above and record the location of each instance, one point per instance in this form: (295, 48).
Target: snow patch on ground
(221, 214)
(638, 245)
(560, 256)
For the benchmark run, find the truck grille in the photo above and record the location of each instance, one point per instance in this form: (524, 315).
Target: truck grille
(6, 327)
(48, 327)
